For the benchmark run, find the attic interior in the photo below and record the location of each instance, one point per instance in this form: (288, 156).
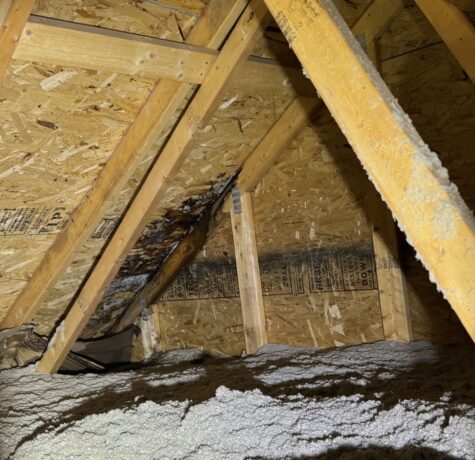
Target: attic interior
(237, 229)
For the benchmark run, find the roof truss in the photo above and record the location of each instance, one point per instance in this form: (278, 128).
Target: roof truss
(236, 49)
(299, 20)
(166, 98)
(408, 175)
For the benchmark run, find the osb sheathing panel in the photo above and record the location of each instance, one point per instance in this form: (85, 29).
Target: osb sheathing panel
(409, 31)
(74, 147)
(309, 201)
(169, 19)
(223, 144)
(310, 208)
(212, 324)
(58, 127)
(305, 210)
(431, 86)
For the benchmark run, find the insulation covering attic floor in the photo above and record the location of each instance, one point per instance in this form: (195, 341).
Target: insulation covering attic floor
(374, 401)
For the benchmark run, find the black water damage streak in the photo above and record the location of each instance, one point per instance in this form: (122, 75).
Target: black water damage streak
(158, 240)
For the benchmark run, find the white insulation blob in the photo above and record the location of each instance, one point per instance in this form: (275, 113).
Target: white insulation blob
(382, 400)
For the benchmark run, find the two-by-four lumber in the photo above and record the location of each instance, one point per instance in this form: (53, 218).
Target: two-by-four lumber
(236, 49)
(455, 29)
(393, 299)
(255, 167)
(13, 17)
(184, 253)
(394, 303)
(210, 30)
(247, 265)
(57, 42)
(52, 41)
(408, 175)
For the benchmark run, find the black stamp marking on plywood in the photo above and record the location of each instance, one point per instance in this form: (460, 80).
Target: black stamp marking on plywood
(342, 269)
(32, 221)
(322, 270)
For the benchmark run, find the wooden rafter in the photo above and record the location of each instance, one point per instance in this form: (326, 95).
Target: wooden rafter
(13, 17)
(407, 174)
(210, 30)
(393, 299)
(371, 24)
(455, 29)
(255, 167)
(236, 49)
(50, 41)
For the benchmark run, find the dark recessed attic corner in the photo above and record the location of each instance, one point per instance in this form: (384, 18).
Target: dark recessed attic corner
(235, 229)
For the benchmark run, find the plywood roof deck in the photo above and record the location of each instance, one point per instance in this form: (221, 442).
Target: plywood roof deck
(60, 125)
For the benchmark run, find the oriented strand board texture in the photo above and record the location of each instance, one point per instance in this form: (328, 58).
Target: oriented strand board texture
(311, 203)
(212, 324)
(314, 244)
(60, 127)
(57, 128)
(314, 197)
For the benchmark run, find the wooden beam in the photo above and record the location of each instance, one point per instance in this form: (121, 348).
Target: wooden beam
(408, 175)
(249, 277)
(51, 41)
(395, 310)
(373, 23)
(184, 253)
(210, 30)
(455, 29)
(258, 163)
(13, 17)
(236, 49)
(56, 42)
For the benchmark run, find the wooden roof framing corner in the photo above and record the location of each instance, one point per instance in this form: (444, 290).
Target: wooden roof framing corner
(13, 17)
(408, 175)
(455, 29)
(256, 166)
(236, 49)
(210, 30)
